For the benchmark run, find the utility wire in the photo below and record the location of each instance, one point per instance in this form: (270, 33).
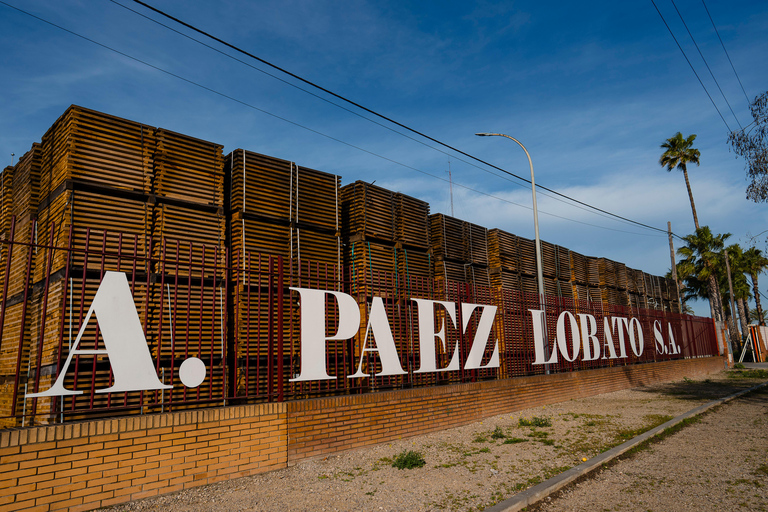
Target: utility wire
(706, 64)
(330, 137)
(691, 65)
(382, 125)
(726, 53)
(351, 102)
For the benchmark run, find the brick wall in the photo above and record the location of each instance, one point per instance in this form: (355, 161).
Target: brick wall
(86, 465)
(327, 425)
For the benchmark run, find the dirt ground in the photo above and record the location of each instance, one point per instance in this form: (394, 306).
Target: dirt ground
(719, 462)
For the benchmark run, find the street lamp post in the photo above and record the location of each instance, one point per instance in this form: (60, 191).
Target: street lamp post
(539, 271)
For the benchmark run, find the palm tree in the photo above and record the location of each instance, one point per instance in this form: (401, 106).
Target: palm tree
(701, 258)
(754, 263)
(740, 284)
(678, 153)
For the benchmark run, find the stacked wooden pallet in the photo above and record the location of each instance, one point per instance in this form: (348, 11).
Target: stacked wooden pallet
(513, 264)
(276, 209)
(413, 252)
(24, 189)
(579, 270)
(369, 226)
(188, 191)
(99, 148)
(459, 247)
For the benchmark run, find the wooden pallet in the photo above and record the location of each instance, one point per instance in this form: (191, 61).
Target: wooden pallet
(281, 190)
(184, 240)
(188, 169)
(368, 211)
(412, 222)
(90, 145)
(113, 229)
(503, 250)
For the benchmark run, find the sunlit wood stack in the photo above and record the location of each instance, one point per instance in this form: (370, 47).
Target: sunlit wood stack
(25, 191)
(460, 249)
(412, 239)
(188, 191)
(99, 148)
(369, 227)
(24, 182)
(278, 208)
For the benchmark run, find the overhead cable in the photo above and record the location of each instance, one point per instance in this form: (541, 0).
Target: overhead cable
(388, 119)
(361, 116)
(330, 137)
(726, 53)
(706, 64)
(691, 65)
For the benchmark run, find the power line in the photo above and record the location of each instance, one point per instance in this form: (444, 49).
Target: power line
(691, 65)
(358, 105)
(382, 125)
(706, 64)
(330, 137)
(726, 53)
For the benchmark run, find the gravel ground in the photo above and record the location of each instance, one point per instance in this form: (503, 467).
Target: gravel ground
(719, 462)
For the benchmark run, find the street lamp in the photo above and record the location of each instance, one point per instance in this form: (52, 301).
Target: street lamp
(539, 272)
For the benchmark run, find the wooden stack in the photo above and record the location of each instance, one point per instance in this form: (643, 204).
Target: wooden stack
(612, 279)
(24, 189)
(413, 254)
(280, 209)
(460, 250)
(369, 227)
(188, 191)
(276, 209)
(121, 188)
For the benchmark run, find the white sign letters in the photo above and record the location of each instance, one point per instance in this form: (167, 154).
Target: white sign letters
(313, 336)
(583, 337)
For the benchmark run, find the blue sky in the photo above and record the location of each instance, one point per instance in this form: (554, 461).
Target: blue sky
(591, 88)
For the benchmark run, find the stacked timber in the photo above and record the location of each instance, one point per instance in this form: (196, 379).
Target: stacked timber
(24, 189)
(413, 251)
(385, 232)
(510, 261)
(275, 209)
(98, 148)
(188, 251)
(128, 197)
(460, 249)
(612, 277)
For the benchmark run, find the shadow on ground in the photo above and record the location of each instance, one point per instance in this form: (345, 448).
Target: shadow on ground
(717, 386)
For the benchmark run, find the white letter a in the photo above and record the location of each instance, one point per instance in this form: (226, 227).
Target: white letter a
(124, 341)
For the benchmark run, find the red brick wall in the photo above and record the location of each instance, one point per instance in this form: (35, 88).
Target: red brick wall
(82, 466)
(86, 465)
(327, 425)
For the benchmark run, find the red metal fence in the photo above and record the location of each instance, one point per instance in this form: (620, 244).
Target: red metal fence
(237, 313)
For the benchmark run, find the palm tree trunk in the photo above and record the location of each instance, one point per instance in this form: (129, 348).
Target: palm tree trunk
(690, 196)
(757, 299)
(714, 299)
(743, 317)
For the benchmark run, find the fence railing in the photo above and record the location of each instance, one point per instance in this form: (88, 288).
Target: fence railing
(240, 314)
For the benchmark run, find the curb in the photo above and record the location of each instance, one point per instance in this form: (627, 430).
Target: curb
(540, 491)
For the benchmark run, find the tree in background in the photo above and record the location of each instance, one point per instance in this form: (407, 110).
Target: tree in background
(740, 285)
(702, 254)
(678, 152)
(751, 143)
(754, 263)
